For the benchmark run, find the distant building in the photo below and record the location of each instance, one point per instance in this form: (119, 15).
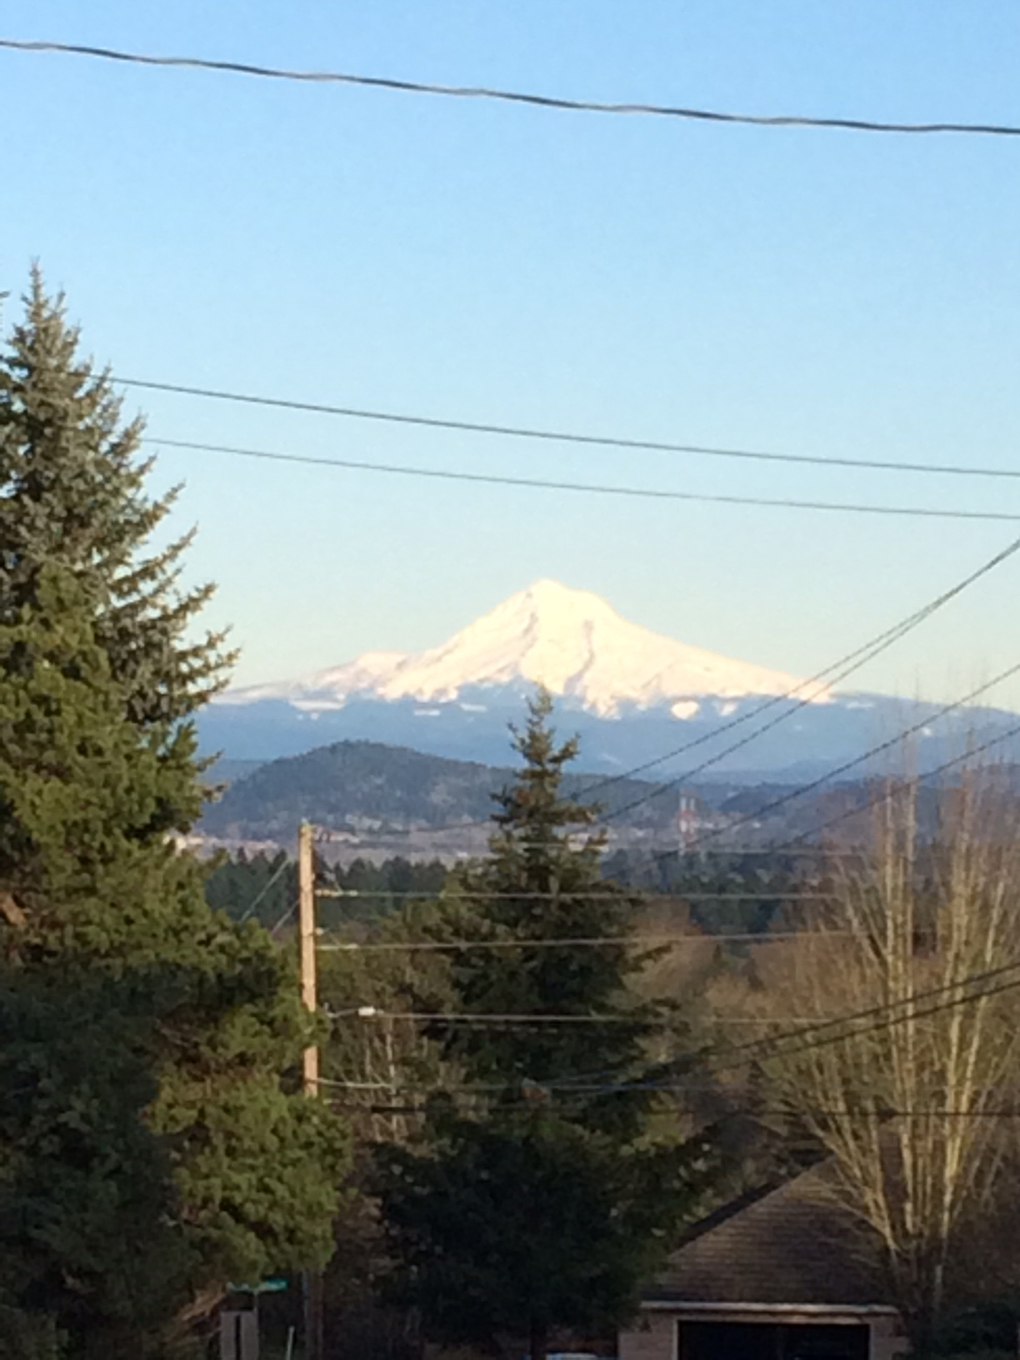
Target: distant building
(688, 821)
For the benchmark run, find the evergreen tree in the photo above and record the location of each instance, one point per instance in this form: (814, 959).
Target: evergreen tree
(261, 887)
(543, 883)
(543, 1204)
(73, 493)
(88, 1248)
(97, 767)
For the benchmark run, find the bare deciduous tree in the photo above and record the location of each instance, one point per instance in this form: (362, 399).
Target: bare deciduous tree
(904, 1101)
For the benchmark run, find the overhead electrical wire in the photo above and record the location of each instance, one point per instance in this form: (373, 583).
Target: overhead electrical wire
(909, 1016)
(370, 1012)
(751, 818)
(284, 917)
(586, 488)
(1011, 1112)
(526, 432)
(651, 942)
(280, 870)
(505, 96)
(680, 1087)
(843, 668)
(816, 1034)
(808, 1027)
(886, 1021)
(882, 1015)
(560, 896)
(808, 1035)
(794, 846)
(501, 1019)
(886, 794)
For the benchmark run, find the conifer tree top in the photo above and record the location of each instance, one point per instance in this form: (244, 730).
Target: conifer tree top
(73, 493)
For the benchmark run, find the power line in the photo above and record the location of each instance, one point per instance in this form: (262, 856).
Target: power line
(839, 670)
(568, 896)
(681, 1087)
(886, 793)
(847, 1113)
(884, 1011)
(587, 488)
(844, 667)
(274, 878)
(882, 1014)
(284, 917)
(772, 1045)
(903, 1019)
(545, 1018)
(369, 1012)
(490, 93)
(594, 941)
(848, 765)
(819, 1112)
(769, 1045)
(808, 1026)
(566, 436)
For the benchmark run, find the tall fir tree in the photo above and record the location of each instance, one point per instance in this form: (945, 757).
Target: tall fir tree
(74, 493)
(97, 769)
(542, 1203)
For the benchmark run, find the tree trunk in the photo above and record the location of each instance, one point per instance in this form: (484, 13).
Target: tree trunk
(539, 1340)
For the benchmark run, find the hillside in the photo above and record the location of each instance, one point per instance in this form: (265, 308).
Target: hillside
(365, 787)
(394, 800)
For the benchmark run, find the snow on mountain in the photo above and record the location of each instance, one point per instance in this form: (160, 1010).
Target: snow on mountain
(570, 641)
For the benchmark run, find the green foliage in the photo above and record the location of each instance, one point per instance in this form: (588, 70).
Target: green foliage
(528, 1224)
(74, 495)
(542, 883)
(264, 888)
(377, 890)
(158, 1146)
(29, 1336)
(87, 1203)
(714, 877)
(258, 887)
(95, 893)
(546, 1202)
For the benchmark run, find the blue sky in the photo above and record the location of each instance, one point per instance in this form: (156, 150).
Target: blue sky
(814, 292)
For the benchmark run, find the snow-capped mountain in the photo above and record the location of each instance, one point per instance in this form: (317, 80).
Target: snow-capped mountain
(633, 697)
(570, 641)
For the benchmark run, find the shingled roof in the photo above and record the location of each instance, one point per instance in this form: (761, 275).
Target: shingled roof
(791, 1244)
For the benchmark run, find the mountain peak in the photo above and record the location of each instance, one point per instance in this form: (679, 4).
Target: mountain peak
(552, 606)
(570, 641)
(548, 593)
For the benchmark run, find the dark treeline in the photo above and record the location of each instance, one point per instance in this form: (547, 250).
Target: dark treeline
(731, 893)
(263, 887)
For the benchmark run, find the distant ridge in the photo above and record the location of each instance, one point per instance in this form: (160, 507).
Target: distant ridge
(361, 786)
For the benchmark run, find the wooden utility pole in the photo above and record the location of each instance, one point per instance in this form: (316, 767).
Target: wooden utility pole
(306, 928)
(314, 1334)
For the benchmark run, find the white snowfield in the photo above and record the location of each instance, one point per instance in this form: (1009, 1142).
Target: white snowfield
(570, 641)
